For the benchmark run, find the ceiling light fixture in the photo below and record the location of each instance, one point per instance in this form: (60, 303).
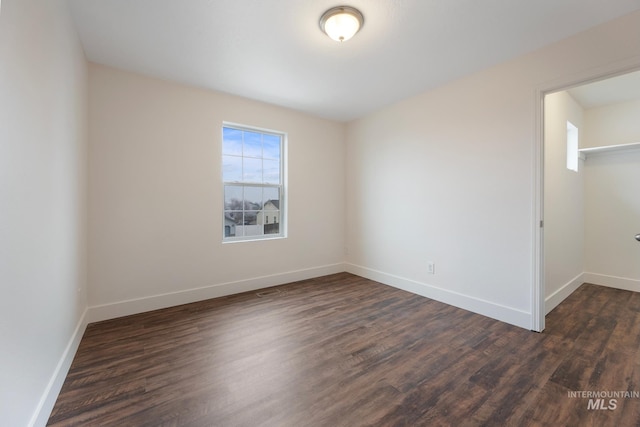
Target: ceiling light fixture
(341, 23)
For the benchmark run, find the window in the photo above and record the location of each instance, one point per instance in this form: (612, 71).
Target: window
(572, 147)
(252, 175)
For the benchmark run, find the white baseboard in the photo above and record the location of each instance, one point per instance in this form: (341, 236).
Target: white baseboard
(476, 305)
(613, 281)
(155, 302)
(553, 300)
(51, 392)
(134, 306)
(124, 308)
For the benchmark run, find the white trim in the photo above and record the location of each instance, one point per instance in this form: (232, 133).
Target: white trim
(553, 300)
(282, 186)
(155, 302)
(624, 283)
(109, 311)
(50, 394)
(486, 308)
(537, 281)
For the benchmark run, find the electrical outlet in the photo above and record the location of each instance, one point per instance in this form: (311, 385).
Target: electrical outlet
(431, 267)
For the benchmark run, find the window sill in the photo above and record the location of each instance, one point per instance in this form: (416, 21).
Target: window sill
(253, 239)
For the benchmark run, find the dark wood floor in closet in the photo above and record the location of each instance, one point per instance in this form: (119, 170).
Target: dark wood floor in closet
(345, 351)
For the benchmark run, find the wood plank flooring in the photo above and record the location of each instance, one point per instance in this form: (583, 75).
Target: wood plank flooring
(345, 351)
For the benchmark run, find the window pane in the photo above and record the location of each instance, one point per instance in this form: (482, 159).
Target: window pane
(235, 217)
(271, 193)
(252, 170)
(252, 144)
(271, 171)
(271, 210)
(233, 224)
(231, 141)
(231, 168)
(272, 228)
(253, 198)
(572, 147)
(232, 198)
(271, 146)
(250, 218)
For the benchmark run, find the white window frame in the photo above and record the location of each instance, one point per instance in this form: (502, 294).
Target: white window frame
(281, 186)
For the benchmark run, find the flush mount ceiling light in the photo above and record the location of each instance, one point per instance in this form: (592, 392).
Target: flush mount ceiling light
(341, 23)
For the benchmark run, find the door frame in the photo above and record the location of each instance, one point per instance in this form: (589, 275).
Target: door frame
(613, 69)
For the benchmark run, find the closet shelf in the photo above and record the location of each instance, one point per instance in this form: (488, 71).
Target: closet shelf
(609, 148)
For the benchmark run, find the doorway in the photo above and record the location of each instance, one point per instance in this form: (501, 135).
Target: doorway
(580, 238)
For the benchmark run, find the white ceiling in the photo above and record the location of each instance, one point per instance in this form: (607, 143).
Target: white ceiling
(274, 51)
(615, 90)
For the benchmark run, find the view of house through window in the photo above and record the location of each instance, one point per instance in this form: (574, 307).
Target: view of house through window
(252, 173)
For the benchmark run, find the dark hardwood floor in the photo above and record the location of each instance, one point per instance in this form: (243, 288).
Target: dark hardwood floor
(345, 351)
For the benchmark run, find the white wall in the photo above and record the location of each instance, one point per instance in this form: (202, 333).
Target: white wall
(155, 202)
(612, 202)
(563, 201)
(612, 124)
(612, 255)
(42, 205)
(458, 163)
